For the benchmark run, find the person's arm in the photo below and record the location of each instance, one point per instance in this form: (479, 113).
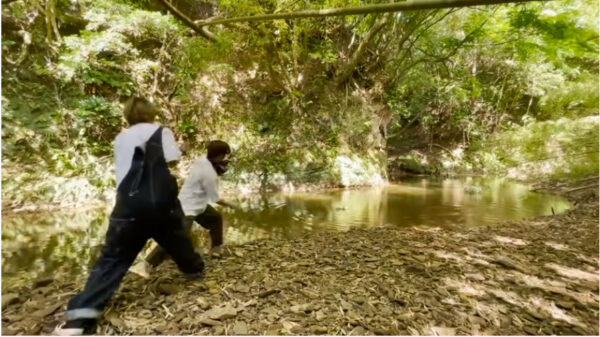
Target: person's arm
(211, 188)
(226, 204)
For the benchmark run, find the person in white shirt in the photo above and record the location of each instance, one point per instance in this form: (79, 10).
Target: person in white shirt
(146, 207)
(199, 191)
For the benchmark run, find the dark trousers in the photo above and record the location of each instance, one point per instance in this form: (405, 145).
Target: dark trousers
(125, 238)
(210, 219)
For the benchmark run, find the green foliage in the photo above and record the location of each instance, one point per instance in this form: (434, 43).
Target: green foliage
(560, 30)
(270, 89)
(537, 60)
(561, 149)
(571, 99)
(99, 121)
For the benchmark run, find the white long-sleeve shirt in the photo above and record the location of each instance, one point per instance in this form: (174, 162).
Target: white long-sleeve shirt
(200, 188)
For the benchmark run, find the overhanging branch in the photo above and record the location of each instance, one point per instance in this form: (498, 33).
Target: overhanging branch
(203, 31)
(408, 5)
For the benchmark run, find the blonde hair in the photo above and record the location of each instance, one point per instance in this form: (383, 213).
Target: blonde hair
(139, 110)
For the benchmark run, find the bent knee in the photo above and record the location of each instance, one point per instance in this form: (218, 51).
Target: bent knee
(214, 218)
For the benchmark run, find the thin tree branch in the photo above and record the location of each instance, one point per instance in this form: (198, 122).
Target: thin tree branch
(494, 43)
(581, 188)
(445, 57)
(357, 56)
(203, 31)
(52, 12)
(420, 33)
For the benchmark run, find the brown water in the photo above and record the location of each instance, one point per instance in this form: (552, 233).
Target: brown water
(46, 244)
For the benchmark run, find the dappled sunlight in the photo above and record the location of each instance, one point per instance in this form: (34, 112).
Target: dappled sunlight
(474, 255)
(557, 246)
(461, 259)
(438, 331)
(464, 287)
(534, 305)
(426, 229)
(550, 308)
(534, 281)
(449, 256)
(513, 241)
(553, 286)
(589, 259)
(560, 314)
(572, 272)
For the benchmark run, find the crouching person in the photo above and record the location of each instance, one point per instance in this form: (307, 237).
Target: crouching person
(198, 192)
(146, 207)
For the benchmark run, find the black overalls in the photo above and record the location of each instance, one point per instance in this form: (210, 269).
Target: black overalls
(146, 207)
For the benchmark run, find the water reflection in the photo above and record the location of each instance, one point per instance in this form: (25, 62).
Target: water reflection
(35, 245)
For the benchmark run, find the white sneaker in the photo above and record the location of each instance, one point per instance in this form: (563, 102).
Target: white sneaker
(142, 269)
(61, 331)
(217, 251)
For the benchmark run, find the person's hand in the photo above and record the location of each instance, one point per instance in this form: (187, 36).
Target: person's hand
(228, 205)
(233, 207)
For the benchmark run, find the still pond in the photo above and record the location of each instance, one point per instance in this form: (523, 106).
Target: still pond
(38, 245)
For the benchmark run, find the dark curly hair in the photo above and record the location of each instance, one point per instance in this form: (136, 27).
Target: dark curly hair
(216, 148)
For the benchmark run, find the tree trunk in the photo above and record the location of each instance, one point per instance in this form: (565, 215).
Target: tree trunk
(358, 55)
(51, 26)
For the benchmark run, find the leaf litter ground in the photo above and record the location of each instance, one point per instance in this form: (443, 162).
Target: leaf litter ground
(532, 277)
